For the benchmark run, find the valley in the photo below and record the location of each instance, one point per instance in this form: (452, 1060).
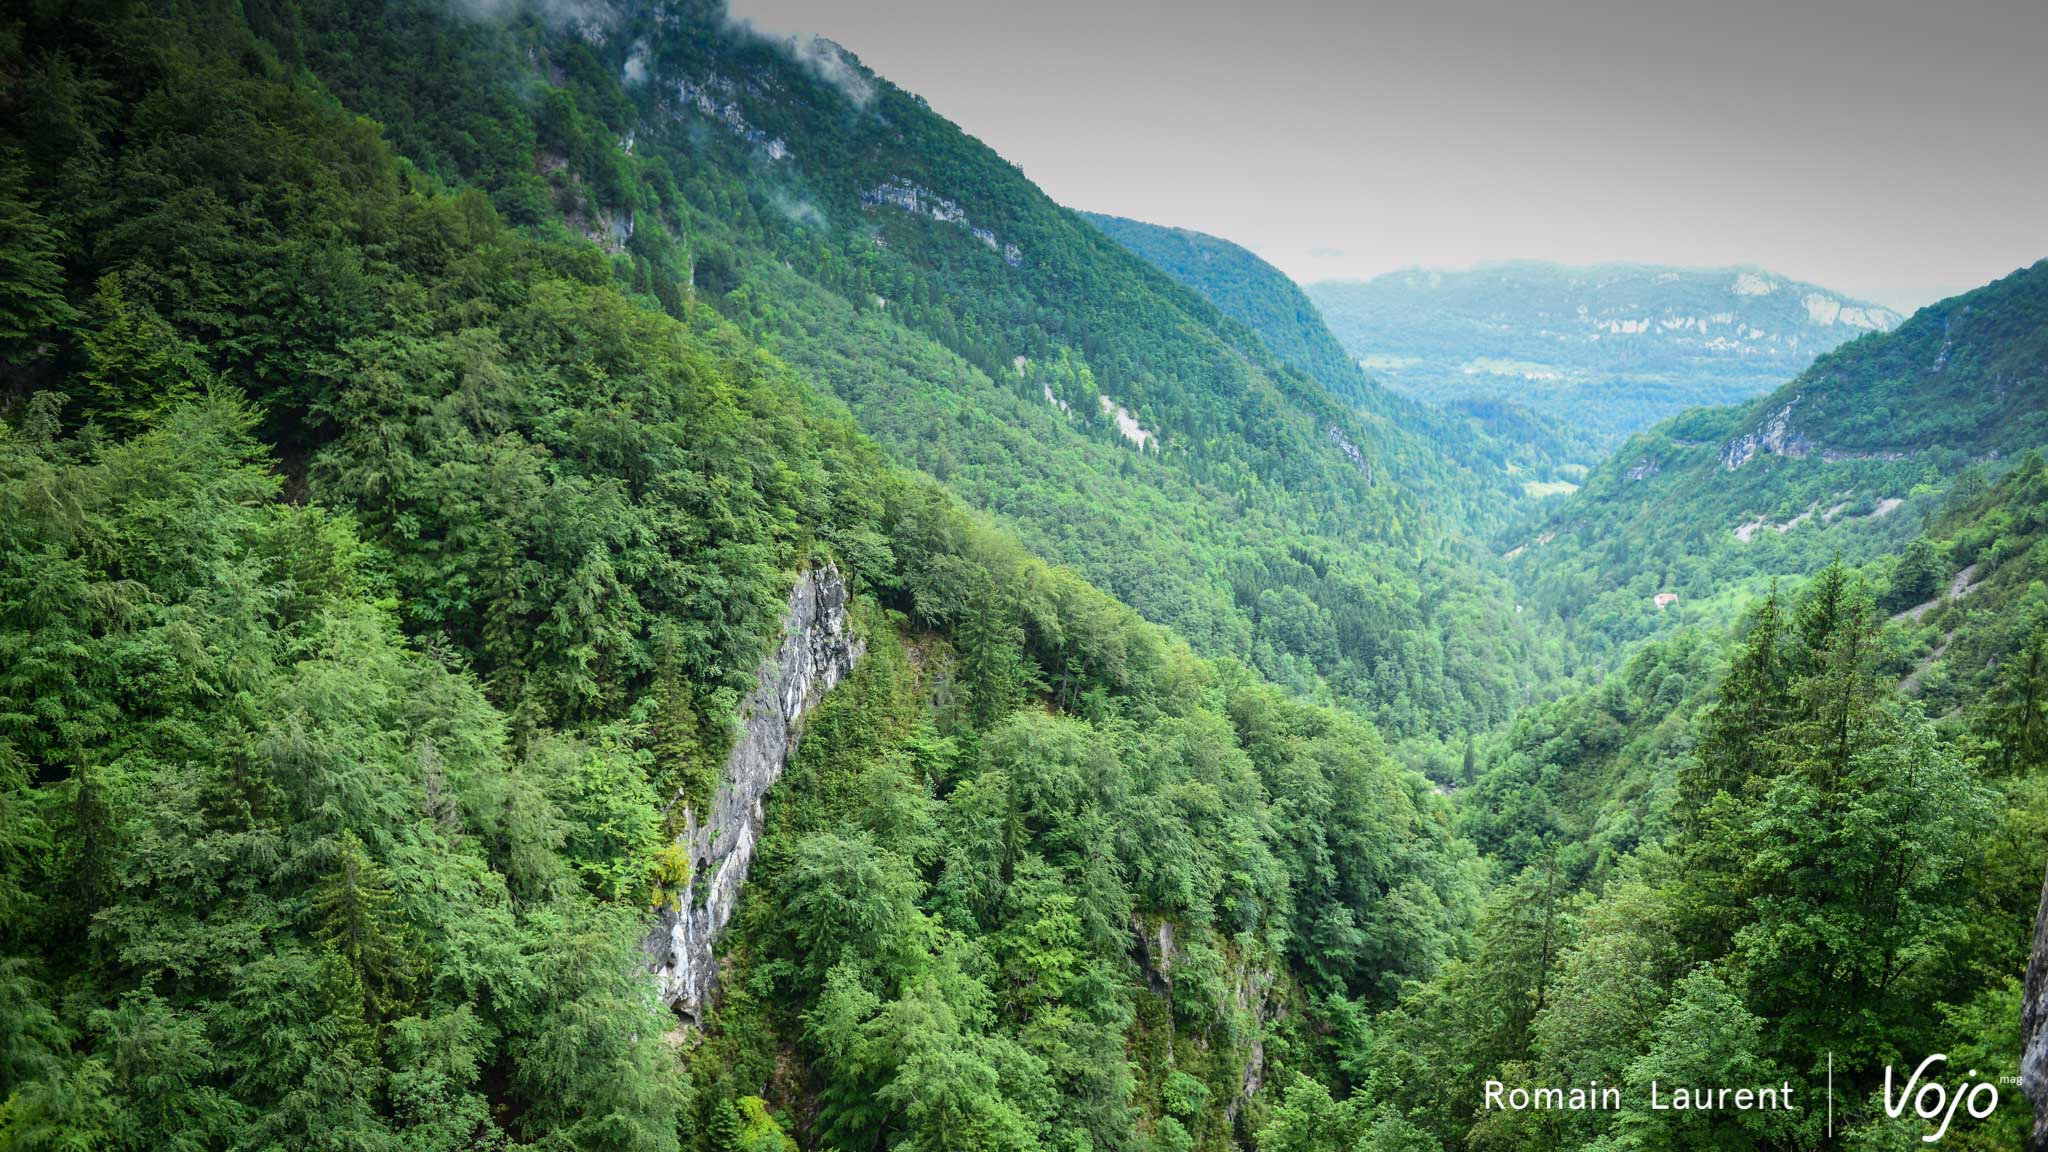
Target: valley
(586, 576)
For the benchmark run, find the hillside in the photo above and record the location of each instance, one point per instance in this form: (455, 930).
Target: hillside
(575, 578)
(982, 334)
(1246, 288)
(1501, 443)
(1848, 458)
(407, 602)
(1610, 349)
(1850, 689)
(1969, 596)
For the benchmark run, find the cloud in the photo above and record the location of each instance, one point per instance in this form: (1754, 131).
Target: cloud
(798, 210)
(636, 73)
(834, 65)
(592, 20)
(822, 58)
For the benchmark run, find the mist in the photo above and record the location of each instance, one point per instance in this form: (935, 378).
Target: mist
(1882, 149)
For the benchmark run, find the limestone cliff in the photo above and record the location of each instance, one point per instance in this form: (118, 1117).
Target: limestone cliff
(2034, 1030)
(1773, 436)
(817, 649)
(1255, 991)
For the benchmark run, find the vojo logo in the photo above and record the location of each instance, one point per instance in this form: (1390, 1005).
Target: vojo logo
(1932, 1101)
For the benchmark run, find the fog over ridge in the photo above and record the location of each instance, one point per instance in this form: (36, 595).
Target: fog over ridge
(1884, 150)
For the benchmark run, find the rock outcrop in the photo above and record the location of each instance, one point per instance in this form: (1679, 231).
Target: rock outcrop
(817, 649)
(1359, 463)
(916, 199)
(1256, 995)
(2034, 1030)
(1773, 435)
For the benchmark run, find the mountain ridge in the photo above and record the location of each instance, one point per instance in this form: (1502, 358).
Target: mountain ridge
(1848, 457)
(1610, 347)
(1503, 444)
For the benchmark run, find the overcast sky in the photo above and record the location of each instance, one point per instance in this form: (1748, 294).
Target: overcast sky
(1884, 149)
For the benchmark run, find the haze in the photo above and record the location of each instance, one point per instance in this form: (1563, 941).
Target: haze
(1884, 149)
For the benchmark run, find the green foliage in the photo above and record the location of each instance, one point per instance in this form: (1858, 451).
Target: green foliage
(945, 348)
(1706, 1037)
(1851, 459)
(334, 817)
(32, 302)
(137, 366)
(1921, 575)
(353, 916)
(905, 960)
(1815, 868)
(1308, 1120)
(279, 938)
(421, 428)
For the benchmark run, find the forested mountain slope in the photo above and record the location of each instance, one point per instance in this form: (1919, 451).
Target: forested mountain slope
(1805, 845)
(382, 567)
(979, 331)
(1504, 445)
(1964, 617)
(418, 428)
(1610, 349)
(1250, 291)
(1760, 858)
(1849, 458)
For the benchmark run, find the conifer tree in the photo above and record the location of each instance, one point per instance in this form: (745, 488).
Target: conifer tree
(1733, 747)
(2013, 718)
(356, 919)
(33, 310)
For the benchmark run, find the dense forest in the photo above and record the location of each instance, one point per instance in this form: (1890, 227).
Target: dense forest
(980, 333)
(417, 417)
(382, 575)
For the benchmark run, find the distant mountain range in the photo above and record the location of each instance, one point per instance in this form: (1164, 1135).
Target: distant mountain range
(1610, 348)
(1849, 459)
(1503, 443)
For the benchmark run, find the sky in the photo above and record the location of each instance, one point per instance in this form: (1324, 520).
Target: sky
(1893, 151)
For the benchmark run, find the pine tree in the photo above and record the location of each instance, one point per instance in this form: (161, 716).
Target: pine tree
(1835, 681)
(993, 666)
(138, 367)
(91, 840)
(2013, 718)
(1918, 577)
(1752, 703)
(33, 311)
(356, 919)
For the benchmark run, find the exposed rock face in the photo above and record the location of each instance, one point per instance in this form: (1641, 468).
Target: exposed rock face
(1154, 952)
(1359, 463)
(1126, 423)
(818, 648)
(1255, 989)
(2034, 1030)
(1773, 435)
(916, 199)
